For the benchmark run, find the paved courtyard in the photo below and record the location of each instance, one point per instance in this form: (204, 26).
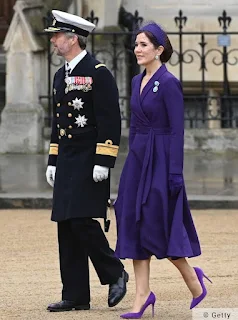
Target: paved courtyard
(29, 271)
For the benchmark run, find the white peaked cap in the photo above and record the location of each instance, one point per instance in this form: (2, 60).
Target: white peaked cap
(67, 22)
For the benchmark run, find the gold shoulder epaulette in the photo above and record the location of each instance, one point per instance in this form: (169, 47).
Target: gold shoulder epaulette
(107, 149)
(54, 149)
(100, 65)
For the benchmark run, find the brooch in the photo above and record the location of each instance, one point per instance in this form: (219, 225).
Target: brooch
(156, 85)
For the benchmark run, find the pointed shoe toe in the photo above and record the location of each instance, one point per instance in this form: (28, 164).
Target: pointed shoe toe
(200, 275)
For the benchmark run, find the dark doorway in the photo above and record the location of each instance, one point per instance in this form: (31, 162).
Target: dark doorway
(6, 13)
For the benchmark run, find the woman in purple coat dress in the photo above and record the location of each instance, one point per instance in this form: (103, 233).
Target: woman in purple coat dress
(152, 212)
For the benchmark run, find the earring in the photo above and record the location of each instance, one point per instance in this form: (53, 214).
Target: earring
(157, 57)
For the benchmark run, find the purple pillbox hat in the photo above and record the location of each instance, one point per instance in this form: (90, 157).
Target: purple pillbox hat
(157, 32)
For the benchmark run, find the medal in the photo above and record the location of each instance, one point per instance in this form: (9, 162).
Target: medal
(77, 104)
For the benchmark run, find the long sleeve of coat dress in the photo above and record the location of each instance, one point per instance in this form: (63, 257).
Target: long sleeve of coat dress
(132, 131)
(173, 98)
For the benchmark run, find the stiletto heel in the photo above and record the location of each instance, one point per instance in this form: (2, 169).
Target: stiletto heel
(153, 310)
(200, 275)
(137, 315)
(207, 278)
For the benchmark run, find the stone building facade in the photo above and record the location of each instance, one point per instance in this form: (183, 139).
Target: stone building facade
(24, 46)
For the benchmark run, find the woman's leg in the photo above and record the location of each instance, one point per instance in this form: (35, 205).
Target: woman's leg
(189, 275)
(142, 276)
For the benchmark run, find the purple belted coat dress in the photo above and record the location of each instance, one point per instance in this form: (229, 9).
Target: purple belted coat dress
(150, 221)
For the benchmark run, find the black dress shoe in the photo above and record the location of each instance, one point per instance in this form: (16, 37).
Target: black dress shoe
(117, 290)
(67, 305)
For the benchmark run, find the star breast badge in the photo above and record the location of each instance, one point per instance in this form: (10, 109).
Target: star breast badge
(81, 121)
(78, 104)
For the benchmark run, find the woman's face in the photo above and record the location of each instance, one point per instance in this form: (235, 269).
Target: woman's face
(144, 50)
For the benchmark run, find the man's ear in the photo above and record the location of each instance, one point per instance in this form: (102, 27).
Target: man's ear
(75, 39)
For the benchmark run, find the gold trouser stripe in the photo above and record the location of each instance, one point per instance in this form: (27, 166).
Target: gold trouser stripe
(100, 65)
(107, 150)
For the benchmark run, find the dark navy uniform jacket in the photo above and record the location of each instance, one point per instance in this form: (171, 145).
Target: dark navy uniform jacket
(86, 131)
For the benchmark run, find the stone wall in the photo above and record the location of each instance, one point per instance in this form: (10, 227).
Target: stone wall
(106, 10)
(218, 140)
(215, 140)
(23, 116)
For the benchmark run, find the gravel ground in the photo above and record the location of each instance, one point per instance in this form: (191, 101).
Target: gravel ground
(30, 280)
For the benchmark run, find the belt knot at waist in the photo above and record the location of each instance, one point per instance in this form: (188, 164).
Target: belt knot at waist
(157, 131)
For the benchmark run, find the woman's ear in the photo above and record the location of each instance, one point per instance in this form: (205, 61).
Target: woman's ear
(160, 50)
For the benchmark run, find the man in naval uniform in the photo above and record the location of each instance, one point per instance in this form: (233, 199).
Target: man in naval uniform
(84, 144)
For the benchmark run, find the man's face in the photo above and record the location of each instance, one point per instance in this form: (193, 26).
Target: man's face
(62, 44)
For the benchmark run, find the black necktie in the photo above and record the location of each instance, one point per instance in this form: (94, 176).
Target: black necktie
(67, 70)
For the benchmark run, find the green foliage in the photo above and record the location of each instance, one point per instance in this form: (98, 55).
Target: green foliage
(57, 4)
(112, 29)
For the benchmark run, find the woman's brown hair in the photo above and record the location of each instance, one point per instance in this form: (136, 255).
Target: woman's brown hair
(168, 49)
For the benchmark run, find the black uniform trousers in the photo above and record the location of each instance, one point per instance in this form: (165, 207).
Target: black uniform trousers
(79, 239)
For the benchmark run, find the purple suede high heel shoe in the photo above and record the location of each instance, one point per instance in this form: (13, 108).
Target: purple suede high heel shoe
(137, 315)
(200, 275)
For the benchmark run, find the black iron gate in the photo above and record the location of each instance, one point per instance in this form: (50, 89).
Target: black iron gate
(202, 107)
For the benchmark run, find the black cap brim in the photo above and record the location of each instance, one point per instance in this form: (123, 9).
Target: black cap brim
(65, 27)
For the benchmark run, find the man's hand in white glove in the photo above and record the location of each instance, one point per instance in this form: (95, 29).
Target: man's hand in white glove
(100, 173)
(50, 175)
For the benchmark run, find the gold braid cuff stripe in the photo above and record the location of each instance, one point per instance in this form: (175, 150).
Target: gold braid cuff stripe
(53, 149)
(107, 149)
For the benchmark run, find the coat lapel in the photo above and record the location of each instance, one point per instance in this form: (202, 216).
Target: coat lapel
(150, 84)
(140, 114)
(60, 84)
(82, 67)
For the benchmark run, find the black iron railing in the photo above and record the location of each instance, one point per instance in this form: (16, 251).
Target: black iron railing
(201, 105)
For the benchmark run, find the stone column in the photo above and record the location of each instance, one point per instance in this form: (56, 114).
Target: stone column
(214, 110)
(76, 7)
(23, 115)
(106, 10)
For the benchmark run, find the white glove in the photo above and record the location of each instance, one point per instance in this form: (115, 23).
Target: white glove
(100, 173)
(50, 175)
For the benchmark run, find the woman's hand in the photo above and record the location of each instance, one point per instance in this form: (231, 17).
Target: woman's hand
(176, 182)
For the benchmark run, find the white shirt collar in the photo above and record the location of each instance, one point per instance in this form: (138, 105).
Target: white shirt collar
(73, 63)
